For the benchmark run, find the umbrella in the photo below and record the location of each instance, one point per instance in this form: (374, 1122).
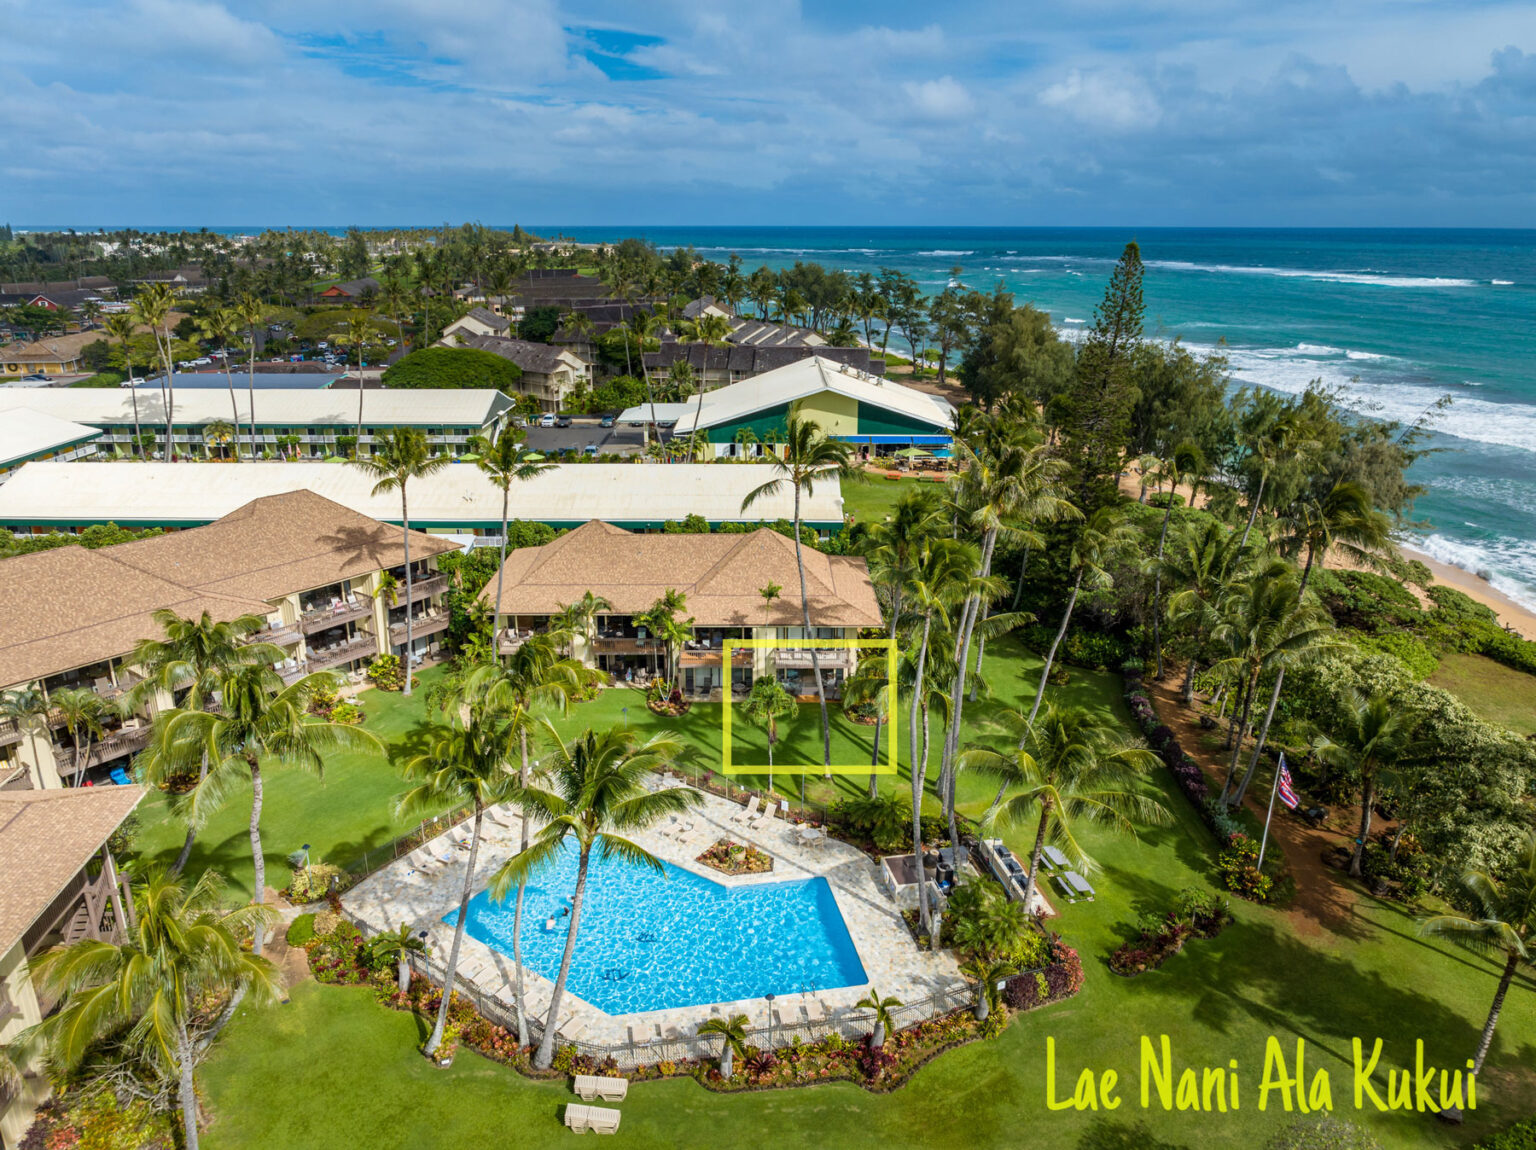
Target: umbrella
(913, 453)
(533, 457)
(470, 458)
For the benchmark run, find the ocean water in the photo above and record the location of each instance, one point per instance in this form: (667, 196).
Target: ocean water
(652, 941)
(1394, 318)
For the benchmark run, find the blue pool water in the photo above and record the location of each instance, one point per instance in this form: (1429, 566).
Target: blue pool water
(649, 941)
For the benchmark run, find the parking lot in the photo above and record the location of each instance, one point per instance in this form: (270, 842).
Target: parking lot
(609, 440)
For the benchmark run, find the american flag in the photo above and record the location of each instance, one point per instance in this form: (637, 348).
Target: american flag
(1287, 792)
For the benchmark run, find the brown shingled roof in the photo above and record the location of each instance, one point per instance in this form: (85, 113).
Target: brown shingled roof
(46, 838)
(277, 545)
(720, 574)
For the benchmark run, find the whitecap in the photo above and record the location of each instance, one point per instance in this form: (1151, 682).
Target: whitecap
(1366, 355)
(1379, 279)
(1506, 563)
(1316, 349)
(945, 252)
(1501, 283)
(1072, 319)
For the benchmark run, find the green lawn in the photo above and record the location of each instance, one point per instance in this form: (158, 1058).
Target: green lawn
(871, 500)
(1495, 692)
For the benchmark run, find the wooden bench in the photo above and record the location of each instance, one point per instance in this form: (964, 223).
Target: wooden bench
(596, 1118)
(590, 1086)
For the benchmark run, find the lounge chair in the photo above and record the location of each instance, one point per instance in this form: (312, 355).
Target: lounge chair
(591, 1086)
(599, 1119)
(422, 859)
(746, 812)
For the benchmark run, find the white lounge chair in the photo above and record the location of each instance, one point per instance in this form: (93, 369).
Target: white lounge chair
(591, 1086)
(746, 812)
(599, 1119)
(421, 859)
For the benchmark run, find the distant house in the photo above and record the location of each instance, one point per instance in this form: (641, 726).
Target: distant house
(707, 305)
(480, 321)
(351, 289)
(716, 366)
(549, 373)
(188, 279)
(71, 294)
(51, 355)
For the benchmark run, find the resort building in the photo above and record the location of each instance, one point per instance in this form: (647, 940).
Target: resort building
(479, 321)
(457, 500)
(307, 420)
(549, 373)
(721, 577)
(870, 411)
(61, 885)
(716, 366)
(329, 581)
(27, 435)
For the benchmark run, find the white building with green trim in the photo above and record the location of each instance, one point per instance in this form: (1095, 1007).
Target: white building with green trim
(27, 434)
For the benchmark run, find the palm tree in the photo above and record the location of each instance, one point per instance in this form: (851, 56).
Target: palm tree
(580, 617)
(392, 294)
(150, 990)
(28, 708)
(665, 625)
(986, 973)
(82, 711)
(398, 945)
(217, 435)
(882, 1008)
(581, 328)
(1271, 436)
(152, 309)
(220, 324)
(1103, 536)
(1370, 736)
(465, 760)
(504, 461)
(398, 457)
(1341, 519)
(357, 333)
(250, 311)
(260, 723)
(1503, 925)
(1202, 567)
(196, 654)
(1268, 627)
(733, 1039)
(121, 327)
(1186, 458)
(869, 686)
(809, 456)
(595, 797)
(766, 704)
(710, 330)
(534, 675)
(1070, 766)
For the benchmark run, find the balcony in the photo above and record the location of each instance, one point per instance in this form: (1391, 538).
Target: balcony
(828, 658)
(355, 648)
(713, 657)
(282, 636)
(10, 732)
(623, 645)
(422, 588)
(420, 627)
(118, 743)
(511, 639)
(335, 615)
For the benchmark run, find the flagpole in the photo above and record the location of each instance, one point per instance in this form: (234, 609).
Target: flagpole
(1273, 790)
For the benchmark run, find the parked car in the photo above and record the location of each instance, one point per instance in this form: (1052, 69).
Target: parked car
(322, 345)
(546, 421)
(562, 421)
(35, 377)
(607, 421)
(589, 449)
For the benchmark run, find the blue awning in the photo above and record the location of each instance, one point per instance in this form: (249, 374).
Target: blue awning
(941, 440)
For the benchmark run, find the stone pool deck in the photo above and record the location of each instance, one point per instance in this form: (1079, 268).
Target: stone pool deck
(402, 892)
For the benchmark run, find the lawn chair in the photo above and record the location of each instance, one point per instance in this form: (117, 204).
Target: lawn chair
(592, 1086)
(746, 812)
(599, 1119)
(422, 859)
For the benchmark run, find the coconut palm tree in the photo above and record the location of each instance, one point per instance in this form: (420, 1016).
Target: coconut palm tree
(580, 617)
(869, 686)
(1340, 520)
(392, 296)
(217, 435)
(1371, 736)
(987, 973)
(1070, 766)
(122, 327)
(152, 309)
(663, 622)
(398, 945)
(220, 324)
(504, 461)
(149, 991)
(1186, 458)
(712, 331)
(357, 334)
(251, 312)
(196, 654)
(1267, 626)
(809, 457)
(260, 723)
(1272, 435)
(733, 1039)
(1502, 926)
(766, 704)
(398, 457)
(1104, 535)
(28, 708)
(596, 796)
(465, 760)
(1202, 567)
(82, 711)
(882, 1006)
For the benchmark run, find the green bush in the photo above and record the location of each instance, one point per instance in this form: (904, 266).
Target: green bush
(983, 920)
(1367, 601)
(1520, 1136)
(453, 367)
(1418, 658)
(301, 930)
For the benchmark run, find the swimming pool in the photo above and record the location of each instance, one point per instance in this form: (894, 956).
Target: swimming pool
(649, 942)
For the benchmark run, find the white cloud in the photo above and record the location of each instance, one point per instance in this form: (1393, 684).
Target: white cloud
(941, 99)
(1119, 103)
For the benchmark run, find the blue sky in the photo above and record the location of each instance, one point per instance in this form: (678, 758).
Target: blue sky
(1185, 112)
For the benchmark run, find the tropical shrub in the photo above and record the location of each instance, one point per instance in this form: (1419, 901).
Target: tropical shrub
(1416, 656)
(885, 820)
(1062, 978)
(1195, 914)
(1520, 1136)
(309, 884)
(983, 920)
(386, 674)
(348, 714)
(1238, 864)
(736, 858)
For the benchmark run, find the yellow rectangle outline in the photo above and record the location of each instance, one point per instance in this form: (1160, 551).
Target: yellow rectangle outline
(889, 767)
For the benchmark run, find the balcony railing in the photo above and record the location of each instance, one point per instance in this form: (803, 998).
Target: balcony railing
(355, 648)
(426, 625)
(511, 639)
(282, 635)
(10, 732)
(421, 588)
(324, 617)
(828, 658)
(117, 744)
(623, 644)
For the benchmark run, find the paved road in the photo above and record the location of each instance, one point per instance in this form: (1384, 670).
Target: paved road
(609, 440)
